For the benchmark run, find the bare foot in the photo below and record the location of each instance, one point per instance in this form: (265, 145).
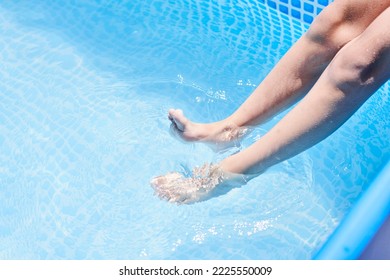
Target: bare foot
(176, 188)
(216, 133)
(207, 181)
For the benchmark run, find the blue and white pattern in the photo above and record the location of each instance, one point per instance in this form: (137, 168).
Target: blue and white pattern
(305, 10)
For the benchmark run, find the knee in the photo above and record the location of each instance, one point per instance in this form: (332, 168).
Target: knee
(354, 66)
(325, 24)
(336, 25)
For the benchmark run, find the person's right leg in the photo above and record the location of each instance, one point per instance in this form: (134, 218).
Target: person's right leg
(295, 73)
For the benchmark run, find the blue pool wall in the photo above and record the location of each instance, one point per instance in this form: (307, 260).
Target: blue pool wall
(304, 10)
(360, 226)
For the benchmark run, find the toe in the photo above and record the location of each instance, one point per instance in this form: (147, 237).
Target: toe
(178, 118)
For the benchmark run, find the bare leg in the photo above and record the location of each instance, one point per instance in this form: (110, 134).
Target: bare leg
(355, 73)
(295, 73)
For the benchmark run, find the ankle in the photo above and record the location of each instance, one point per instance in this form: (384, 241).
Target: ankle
(230, 123)
(227, 177)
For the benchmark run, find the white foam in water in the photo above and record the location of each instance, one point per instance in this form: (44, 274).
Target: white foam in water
(84, 95)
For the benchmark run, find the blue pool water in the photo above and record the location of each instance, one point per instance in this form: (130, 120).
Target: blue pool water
(84, 91)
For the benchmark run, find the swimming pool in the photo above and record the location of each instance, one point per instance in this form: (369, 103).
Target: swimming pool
(84, 91)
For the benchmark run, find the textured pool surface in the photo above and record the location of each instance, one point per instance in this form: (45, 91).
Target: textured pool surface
(84, 91)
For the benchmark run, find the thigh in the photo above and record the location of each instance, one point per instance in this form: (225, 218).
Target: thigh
(344, 20)
(359, 11)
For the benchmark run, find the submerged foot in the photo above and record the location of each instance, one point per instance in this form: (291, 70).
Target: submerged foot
(176, 188)
(216, 133)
